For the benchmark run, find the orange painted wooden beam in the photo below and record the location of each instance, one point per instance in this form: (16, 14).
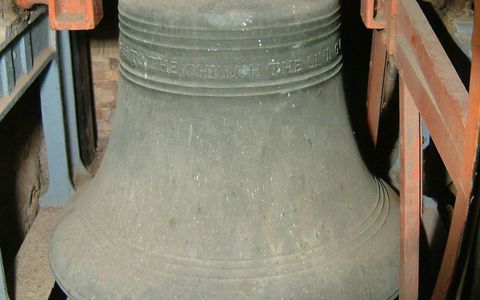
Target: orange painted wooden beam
(70, 14)
(431, 88)
(411, 196)
(372, 14)
(467, 169)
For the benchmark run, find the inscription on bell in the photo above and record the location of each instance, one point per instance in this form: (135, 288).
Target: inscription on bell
(272, 68)
(306, 63)
(157, 63)
(222, 71)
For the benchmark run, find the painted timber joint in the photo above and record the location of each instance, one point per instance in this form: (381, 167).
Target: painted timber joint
(68, 14)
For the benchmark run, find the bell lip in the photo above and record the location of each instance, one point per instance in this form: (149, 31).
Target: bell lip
(394, 295)
(70, 295)
(353, 239)
(65, 285)
(67, 290)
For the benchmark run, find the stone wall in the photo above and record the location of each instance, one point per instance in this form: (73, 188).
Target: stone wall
(23, 172)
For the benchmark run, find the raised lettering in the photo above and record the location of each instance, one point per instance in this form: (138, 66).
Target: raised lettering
(272, 68)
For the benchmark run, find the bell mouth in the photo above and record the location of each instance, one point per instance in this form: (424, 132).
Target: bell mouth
(117, 269)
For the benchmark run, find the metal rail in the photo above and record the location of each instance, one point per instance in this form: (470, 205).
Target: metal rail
(430, 90)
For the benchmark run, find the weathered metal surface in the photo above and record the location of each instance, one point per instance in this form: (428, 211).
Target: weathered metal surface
(222, 179)
(451, 114)
(70, 15)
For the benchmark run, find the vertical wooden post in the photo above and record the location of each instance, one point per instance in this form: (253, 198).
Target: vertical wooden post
(411, 193)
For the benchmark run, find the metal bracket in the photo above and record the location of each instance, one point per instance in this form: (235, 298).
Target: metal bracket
(70, 15)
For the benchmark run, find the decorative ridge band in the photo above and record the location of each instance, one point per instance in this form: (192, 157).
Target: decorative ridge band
(197, 72)
(228, 43)
(229, 63)
(128, 18)
(215, 39)
(348, 242)
(255, 89)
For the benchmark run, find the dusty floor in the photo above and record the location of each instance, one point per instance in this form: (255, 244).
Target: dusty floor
(32, 278)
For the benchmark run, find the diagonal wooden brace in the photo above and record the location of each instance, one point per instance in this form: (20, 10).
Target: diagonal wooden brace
(70, 14)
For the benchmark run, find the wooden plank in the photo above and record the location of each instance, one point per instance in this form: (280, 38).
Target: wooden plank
(369, 11)
(426, 103)
(411, 193)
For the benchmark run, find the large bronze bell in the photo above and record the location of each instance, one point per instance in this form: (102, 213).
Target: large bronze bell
(232, 172)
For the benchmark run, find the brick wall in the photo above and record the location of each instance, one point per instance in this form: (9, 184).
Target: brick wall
(105, 71)
(105, 64)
